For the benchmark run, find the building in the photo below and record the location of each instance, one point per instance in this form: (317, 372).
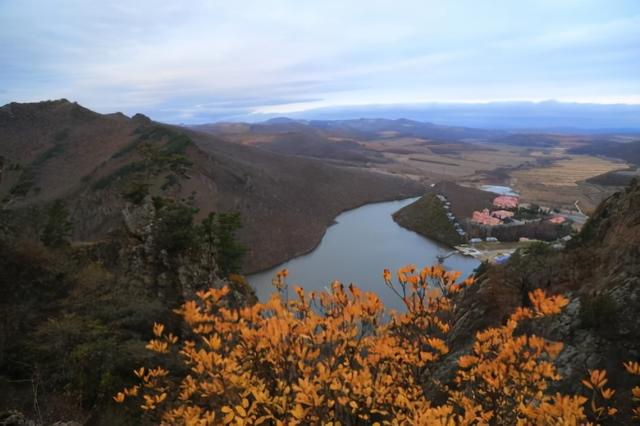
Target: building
(506, 202)
(485, 218)
(558, 220)
(502, 214)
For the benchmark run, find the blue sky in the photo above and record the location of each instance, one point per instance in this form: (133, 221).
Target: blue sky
(196, 61)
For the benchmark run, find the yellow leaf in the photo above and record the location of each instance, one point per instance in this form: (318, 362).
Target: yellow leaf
(241, 411)
(298, 412)
(157, 329)
(228, 418)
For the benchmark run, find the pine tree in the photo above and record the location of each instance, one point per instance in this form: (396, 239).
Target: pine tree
(58, 227)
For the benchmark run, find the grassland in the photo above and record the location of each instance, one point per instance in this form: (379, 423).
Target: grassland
(565, 181)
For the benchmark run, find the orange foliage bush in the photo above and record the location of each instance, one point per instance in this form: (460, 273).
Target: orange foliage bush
(333, 358)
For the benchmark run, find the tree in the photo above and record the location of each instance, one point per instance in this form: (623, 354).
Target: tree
(58, 227)
(174, 230)
(218, 237)
(229, 252)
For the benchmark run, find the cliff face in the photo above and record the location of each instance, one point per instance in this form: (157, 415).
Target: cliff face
(173, 278)
(601, 326)
(600, 273)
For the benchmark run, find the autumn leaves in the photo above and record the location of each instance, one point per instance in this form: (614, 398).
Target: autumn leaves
(329, 357)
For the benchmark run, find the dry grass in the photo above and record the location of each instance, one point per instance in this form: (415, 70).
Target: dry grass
(563, 182)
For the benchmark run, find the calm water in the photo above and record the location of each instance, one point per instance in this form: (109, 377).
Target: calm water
(356, 249)
(502, 190)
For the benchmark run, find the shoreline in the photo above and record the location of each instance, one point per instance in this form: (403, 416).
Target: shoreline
(427, 217)
(332, 223)
(447, 244)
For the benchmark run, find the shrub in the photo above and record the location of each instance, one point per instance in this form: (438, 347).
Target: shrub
(136, 191)
(332, 357)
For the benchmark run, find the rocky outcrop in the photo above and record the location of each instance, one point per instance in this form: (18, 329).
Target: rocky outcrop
(171, 277)
(601, 326)
(614, 339)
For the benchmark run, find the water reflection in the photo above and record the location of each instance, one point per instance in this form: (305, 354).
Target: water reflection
(497, 189)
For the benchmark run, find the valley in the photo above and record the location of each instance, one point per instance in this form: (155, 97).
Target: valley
(287, 178)
(549, 169)
(306, 213)
(110, 222)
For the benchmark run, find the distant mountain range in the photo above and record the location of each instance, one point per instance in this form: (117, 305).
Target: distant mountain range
(348, 140)
(548, 115)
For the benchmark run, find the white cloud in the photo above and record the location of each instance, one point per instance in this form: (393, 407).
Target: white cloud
(168, 57)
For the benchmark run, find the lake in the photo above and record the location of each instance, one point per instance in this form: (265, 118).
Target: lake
(497, 189)
(356, 249)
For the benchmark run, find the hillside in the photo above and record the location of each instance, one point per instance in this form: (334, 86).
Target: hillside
(358, 129)
(620, 178)
(600, 273)
(293, 138)
(60, 150)
(627, 151)
(427, 217)
(364, 142)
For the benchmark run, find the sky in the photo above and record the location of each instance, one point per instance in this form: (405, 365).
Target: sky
(202, 61)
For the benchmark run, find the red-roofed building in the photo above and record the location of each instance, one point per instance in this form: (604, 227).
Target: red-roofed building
(485, 218)
(506, 202)
(502, 214)
(558, 219)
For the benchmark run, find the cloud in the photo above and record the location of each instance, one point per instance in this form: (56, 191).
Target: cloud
(177, 60)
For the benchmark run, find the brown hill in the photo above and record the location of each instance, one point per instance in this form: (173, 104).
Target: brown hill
(627, 151)
(341, 140)
(59, 149)
(294, 138)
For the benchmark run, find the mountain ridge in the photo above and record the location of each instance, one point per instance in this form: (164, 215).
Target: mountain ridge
(59, 149)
